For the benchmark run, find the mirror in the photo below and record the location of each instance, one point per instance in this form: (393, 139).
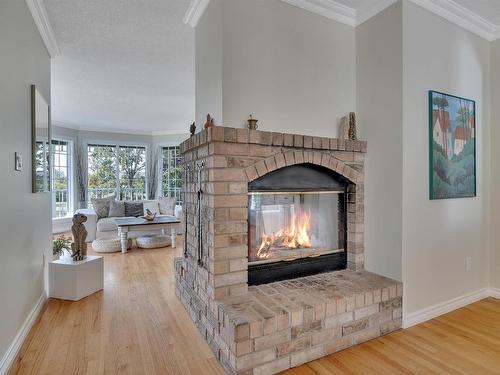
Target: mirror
(40, 142)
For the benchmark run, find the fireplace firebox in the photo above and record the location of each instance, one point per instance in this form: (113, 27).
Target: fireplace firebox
(297, 223)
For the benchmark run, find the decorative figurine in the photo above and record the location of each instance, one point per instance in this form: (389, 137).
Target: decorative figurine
(149, 215)
(79, 246)
(352, 127)
(252, 123)
(192, 129)
(344, 128)
(210, 122)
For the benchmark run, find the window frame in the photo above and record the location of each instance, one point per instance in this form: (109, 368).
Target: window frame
(116, 144)
(160, 148)
(70, 170)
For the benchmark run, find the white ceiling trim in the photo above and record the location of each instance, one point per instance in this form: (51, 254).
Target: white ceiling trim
(41, 19)
(457, 14)
(448, 9)
(327, 8)
(195, 11)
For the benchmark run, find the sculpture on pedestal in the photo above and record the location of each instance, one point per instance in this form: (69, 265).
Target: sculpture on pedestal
(79, 246)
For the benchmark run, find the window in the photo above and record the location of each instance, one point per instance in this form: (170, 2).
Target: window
(42, 166)
(116, 169)
(61, 178)
(57, 175)
(171, 174)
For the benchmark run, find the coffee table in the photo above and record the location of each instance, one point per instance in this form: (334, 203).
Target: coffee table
(126, 225)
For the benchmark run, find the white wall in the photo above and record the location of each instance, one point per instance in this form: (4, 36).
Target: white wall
(208, 65)
(293, 70)
(379, 104)
(495, 165)
(25, 229)
(439, 234)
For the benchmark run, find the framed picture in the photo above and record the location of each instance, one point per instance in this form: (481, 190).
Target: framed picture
(452, 146)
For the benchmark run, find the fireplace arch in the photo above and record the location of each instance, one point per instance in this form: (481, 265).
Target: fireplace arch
(282, 159)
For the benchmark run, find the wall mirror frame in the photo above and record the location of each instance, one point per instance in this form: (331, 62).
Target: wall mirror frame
(40, 142)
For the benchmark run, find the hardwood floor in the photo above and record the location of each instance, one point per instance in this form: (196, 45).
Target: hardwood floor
(137, 326)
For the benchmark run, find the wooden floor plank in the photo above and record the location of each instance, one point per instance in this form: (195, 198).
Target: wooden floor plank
(138, 326)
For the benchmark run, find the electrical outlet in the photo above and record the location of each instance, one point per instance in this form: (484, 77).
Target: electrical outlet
(468, 263)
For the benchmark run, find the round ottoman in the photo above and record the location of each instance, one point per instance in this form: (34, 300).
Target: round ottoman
(109, 245)
(152, 241)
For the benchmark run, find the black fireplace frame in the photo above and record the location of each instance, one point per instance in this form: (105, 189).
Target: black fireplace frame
(304, 177)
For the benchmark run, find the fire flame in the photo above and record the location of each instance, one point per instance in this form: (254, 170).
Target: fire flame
(296, 235)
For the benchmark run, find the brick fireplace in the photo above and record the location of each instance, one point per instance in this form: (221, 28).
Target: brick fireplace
(278, 212)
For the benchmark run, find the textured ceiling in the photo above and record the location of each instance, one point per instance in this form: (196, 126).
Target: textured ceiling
(125, 65)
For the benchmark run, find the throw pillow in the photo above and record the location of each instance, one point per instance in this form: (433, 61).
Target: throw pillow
(101, 206)
(152, 206)
(134, 208)
(116, 209)
(167, 205)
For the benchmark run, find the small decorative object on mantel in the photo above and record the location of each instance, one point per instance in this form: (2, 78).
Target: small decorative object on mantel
(192, 129)
(252, 123)
(79, 246)
(344, 128)
(353, 134)
(210, 122)
(149, 215)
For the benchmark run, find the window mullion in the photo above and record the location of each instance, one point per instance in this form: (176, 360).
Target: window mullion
(117, 171)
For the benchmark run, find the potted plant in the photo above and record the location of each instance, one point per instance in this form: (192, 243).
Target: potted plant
(60, 244)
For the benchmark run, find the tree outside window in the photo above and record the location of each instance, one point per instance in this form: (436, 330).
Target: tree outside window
(119, 170)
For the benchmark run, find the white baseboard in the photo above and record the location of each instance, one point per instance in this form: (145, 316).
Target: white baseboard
(431, 312)
(11, 354)
(494, 292)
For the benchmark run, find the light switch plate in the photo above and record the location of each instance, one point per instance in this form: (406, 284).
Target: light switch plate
(18, 161)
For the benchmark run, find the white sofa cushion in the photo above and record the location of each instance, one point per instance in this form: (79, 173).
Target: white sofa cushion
(167, 205)
(116, 209)
(106, 224)
(153, 206)
(101, 205)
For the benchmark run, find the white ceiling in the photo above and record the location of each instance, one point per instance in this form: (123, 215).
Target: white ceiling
(124, 65)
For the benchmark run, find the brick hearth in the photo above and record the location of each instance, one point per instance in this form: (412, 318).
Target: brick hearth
(271, 327)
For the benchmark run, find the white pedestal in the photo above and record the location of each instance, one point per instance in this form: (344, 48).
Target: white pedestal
(75, 280)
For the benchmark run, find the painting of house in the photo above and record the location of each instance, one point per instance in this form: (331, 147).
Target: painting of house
(441, 129)
(452, 146)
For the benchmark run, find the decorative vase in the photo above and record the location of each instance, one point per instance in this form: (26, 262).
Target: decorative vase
(252, 123)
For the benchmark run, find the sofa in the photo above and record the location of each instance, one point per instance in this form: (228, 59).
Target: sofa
(105, 227)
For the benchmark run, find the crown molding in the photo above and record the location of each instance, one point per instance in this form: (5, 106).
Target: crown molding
(41, 19)
(327, 8)
(448, 9)
(195, 11)
(461, 16)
